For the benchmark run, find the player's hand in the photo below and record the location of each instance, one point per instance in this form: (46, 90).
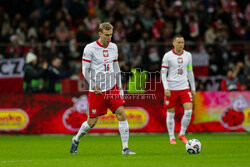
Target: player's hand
(97, 90)
(167, 93)
(122, 94)
(193, 93)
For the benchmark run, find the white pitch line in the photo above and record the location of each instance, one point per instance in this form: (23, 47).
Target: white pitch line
(24, 161)
(15, 161)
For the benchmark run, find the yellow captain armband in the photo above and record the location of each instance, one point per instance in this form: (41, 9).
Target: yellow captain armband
(190, 67)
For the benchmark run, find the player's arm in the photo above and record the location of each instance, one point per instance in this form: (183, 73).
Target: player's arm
(86, 71)
(190, 76)
(118, 75)
(164, 71)
(86, 68)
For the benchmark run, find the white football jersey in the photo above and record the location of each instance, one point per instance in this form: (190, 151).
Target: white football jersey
(177, 65)
(101, 64)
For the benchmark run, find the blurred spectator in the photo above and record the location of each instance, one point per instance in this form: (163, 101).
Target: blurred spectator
(199, 85)
(153, 56)
(62, 32)
(193, 26)
(33, 75)
(22, 32)
(14, 49)
(46, 9)
(16, 20)
(32, 46)
(125, 49)
(230, 83)
(55, 75)
(210, 34)
(44, 31)
(247, 59)
(136, 32)
(58, 18)
(6, 31)
(35, 18)
(129, 19)
(77, 9)
(91, 21)
(119, 32)
(73, 46)
(119, 11)
(168, 32)
(202, 18)
(82, 34)
(147, 19)
(239, 72)
(223, 36)
(247, 13)
(157, 29)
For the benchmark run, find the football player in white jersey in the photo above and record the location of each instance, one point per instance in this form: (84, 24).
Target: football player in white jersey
(177, 74)
(101, 69)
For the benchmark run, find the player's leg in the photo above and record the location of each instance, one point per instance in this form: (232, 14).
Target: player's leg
(123, 129)
(116, 105)
(186, 117)
(170, 103)
(86, 126)
(187, 101)
(97, 107)
(171, 124)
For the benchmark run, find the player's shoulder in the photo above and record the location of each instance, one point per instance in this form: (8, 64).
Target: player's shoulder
(92, 44)
(187, 53)
(167, 54)
(112, 46)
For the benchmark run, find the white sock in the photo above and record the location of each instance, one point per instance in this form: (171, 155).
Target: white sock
(82, 131)
(170, 124)
(124, 132)
(185, 121)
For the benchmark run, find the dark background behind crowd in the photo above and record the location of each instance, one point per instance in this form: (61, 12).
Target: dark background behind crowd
(143, 29)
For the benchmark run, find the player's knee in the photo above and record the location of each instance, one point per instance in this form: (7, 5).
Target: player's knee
(121, 116)
(91, 125)
(188, 106)
(171, 110)
(92, 122)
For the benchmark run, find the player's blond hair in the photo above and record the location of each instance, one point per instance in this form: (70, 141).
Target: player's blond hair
(104, 26)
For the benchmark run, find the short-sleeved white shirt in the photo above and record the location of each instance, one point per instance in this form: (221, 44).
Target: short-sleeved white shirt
(101, 64)
(177, 65)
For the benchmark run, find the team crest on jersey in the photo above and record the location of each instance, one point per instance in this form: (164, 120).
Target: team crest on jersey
(179, 60)
(94, 111)
(105, 53)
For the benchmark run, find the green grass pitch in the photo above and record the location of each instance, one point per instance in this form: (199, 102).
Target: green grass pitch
(153, 150)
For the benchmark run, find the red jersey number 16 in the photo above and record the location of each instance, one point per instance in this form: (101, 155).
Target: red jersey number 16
(180, 71)
(106, 67)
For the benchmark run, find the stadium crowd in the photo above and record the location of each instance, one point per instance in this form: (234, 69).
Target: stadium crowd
(143, 30)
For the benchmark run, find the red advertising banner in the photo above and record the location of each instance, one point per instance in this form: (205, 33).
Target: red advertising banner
(11, 85)
(57, 113)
